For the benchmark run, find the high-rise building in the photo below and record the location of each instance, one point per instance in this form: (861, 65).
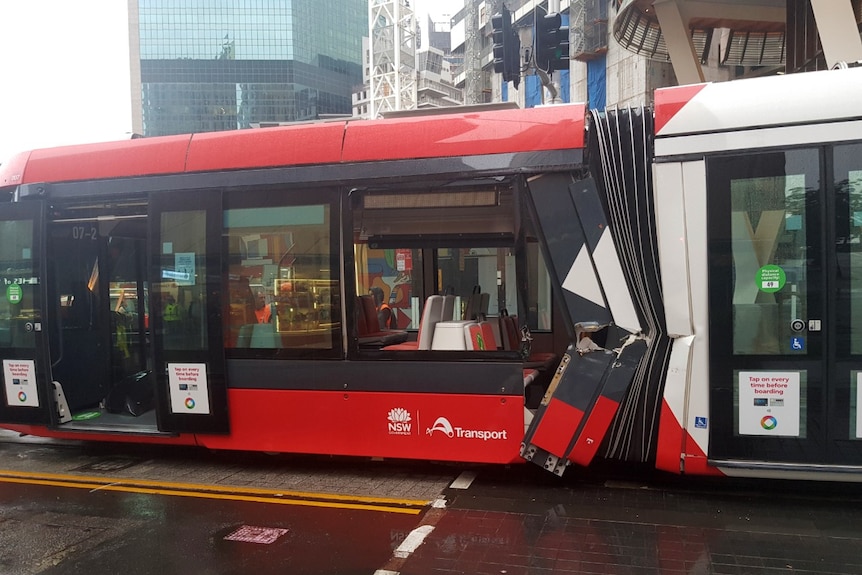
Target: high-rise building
(621, 51)
(210, 65)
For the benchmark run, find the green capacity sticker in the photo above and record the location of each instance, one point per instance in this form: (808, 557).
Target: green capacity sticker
(14, 293)
(770, 278)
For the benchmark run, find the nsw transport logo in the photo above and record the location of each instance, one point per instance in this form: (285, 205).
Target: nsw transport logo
(442, 425)
(400, 422)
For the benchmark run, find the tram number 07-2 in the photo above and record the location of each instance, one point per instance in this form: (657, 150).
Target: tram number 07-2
(85, 233)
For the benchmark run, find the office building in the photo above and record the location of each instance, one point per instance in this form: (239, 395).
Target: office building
(207, 65)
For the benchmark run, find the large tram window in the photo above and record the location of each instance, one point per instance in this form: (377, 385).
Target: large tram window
(284, 289)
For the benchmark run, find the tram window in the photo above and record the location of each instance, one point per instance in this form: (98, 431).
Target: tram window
(182, 292)
(468, 273)
(462, 271)
(848, 247)
(395, 276)
(459, 242)
(848, 292)
(128, 306)
(283, 286)
(538, 310)
(770, 229)
(16, 265)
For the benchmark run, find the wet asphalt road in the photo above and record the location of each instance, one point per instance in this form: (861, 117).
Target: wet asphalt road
(62, 531)
(79, 509)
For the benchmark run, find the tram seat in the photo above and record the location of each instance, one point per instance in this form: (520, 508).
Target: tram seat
(243, 336)
(477, 305)
(450, 335)
(493, 325)
(368, 329)
(431, 315)
(264, 336)
(511, 335)
(480, 336)
(491, 334)
(448, 308)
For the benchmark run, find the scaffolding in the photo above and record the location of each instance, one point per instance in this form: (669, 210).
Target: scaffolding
(588, 29)
(392, 82)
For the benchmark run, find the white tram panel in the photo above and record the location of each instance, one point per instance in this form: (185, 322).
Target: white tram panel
(680, 202)
(695, 120)
(795, 109)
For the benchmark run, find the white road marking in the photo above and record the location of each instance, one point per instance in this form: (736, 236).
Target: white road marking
(413, 541)
(464, 480)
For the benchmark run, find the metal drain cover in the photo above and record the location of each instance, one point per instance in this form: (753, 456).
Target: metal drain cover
(108, 465)
(253, 534)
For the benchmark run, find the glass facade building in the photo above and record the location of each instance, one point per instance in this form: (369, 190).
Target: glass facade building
(210, 65)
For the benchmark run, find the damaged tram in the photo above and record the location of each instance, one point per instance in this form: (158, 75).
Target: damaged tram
(673, 285)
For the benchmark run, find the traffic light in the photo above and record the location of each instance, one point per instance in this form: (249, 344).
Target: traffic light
(498, 23)
(507, 47)
(561, 55)
(551, 43)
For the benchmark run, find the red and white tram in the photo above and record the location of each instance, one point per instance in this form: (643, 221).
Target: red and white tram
(675, 286)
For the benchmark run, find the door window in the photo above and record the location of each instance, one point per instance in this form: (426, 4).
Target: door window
(19, 285)
(182, 293)
(848, 247)
(848, 293)
(771, 250)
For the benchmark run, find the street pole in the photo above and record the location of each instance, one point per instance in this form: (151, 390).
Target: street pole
(554, 87)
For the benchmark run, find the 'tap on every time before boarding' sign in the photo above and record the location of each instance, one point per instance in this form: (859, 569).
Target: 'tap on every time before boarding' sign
(189, 388)
(19, 379)
(769, 403)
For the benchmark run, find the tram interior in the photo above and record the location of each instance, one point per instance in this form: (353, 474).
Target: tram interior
(99, 345)
(457, 270)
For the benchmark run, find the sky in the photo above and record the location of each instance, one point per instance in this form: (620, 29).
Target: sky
(65, 71)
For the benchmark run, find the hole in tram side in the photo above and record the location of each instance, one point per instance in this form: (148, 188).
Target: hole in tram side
(100, 341)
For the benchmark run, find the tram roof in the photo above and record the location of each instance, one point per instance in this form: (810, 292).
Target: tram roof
(466, 133)
(793, 99)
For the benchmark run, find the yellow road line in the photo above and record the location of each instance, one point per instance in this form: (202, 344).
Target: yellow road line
(308, 499)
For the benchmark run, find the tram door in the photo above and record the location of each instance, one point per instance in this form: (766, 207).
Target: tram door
(786, 273)
(27, 390)
(99, 334)
(185, 271)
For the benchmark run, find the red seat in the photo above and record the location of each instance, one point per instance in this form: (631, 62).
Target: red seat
(368, 329)
(431, 315)
(511, 335)
(481, 337)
